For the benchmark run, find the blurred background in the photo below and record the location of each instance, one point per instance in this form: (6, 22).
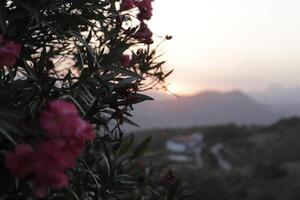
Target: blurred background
(232, 129)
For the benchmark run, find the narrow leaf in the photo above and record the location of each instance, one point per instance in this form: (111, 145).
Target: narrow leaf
(142, 148)
(126, 145)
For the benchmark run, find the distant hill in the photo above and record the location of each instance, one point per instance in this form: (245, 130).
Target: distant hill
(206, 108)
(285, 100)
(278, 95)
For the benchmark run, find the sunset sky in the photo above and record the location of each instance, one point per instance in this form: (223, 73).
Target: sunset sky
(229, 44)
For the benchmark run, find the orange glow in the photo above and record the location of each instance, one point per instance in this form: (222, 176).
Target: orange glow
(171, 89)
(229, 44)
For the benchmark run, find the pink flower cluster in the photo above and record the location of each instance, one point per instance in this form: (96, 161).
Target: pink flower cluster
(9, 51)
(45, 164)
(145, 8)
(143, 34)
(127, 5)
(125, 60)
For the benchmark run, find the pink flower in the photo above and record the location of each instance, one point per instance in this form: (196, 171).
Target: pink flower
(145, 8)
(77, 128)
(127, 5)
(46, 165)
(144, 34)
(61, 119)
(9, 51)
(53, 157)
(55, 151)
(66, 133)
(125, 60)
(119, 19)
(20, 162)
(51, 122)
(45, 179)
(75, 146)
(61, 107)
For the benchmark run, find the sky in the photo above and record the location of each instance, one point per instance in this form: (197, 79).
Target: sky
(229, 44)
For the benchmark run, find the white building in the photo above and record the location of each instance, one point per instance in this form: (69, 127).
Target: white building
(186, 148)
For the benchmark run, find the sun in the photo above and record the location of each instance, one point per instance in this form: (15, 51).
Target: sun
(172, 89)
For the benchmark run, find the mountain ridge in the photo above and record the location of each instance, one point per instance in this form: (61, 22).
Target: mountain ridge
(205, 108)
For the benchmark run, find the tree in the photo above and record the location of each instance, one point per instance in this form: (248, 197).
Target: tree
(70, 73)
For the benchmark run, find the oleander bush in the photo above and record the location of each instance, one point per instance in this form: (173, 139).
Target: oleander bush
(71, 72)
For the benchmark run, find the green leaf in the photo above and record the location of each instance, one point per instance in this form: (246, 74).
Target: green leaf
(126, 81)
(168, 74)
(30, 9)
(158, 65)
(84, 75)
(79, 58)
(93, 109)
(123, 71)
(89, 37)
(90, 50)
(135, 98)
(42, 60)
(128, 121)
(143, 97)
(74, 20)
(30, 72)
(76, 197)
(3, 25)
(108, 77)
(125, 179)
(114, 54)
(126, 146)
(7, 135)
(106, 159)
(142, 148)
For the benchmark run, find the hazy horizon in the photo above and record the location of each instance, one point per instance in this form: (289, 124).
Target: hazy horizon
(272, 95)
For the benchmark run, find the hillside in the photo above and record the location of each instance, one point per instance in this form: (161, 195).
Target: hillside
(206, 108)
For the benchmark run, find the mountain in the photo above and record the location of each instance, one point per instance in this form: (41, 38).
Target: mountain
(278, 95)
(206, 108)
(285, 100)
